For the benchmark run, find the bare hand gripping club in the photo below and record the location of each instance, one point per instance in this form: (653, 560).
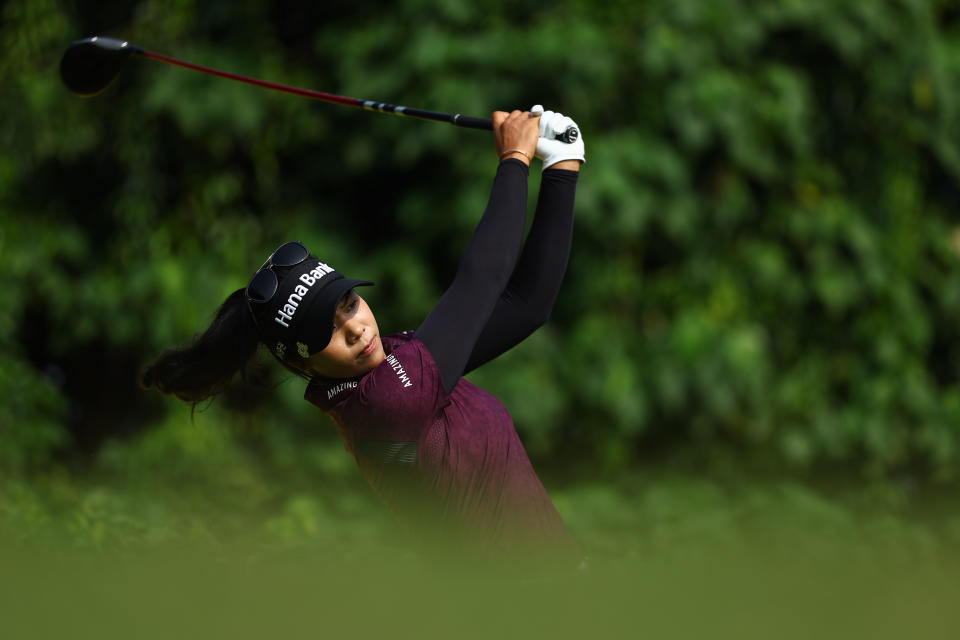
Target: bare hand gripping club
(90, 65)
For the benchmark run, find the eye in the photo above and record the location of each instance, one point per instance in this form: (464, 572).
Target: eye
(349, 302)
(347, 305)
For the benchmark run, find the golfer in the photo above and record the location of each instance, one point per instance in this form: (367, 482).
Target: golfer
(441, 453)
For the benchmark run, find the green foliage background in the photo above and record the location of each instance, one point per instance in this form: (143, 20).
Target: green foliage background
(761, 307)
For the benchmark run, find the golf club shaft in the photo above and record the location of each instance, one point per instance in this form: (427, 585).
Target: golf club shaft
(453, 118)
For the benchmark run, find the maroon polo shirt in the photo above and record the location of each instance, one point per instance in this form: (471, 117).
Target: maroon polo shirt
(442, 463)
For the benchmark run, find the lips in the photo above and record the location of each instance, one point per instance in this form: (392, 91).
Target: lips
(367, 350)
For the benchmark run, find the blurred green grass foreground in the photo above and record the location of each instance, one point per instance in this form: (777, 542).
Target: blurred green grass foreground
(186, 533)
(746, 404)
(246, 554)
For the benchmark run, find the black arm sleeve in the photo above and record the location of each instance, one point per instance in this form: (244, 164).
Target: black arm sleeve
(527, 302)
(451, 329)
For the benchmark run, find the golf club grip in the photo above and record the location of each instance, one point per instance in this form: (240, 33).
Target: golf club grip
(569, 136)
(472, 122)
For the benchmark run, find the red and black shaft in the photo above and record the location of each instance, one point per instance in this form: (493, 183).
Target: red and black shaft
(90, 65)
(452, 118)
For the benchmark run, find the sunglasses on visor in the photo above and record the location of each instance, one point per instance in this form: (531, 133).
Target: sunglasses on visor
(263, 284)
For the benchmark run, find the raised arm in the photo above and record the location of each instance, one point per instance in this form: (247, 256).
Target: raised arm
(451, 329)
(528, 299)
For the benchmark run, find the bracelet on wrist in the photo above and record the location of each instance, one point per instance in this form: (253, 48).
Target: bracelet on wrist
(521, 151)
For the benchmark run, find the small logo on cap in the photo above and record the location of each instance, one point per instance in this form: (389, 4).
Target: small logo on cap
(303, 350)
(280, 349)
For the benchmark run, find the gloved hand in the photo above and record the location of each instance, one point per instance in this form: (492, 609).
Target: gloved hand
(551, 150)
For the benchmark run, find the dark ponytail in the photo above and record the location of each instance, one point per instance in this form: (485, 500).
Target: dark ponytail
(203, 369)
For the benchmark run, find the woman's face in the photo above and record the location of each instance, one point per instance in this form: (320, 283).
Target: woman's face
(355, 346)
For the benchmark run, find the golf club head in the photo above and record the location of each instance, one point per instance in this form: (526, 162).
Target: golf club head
(90, 65)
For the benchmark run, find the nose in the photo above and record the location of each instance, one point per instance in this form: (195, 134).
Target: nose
(353, 330)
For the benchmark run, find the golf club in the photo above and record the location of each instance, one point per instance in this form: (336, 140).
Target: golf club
(90, 65)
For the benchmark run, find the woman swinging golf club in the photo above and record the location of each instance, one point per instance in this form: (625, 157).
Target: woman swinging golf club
(440, 452)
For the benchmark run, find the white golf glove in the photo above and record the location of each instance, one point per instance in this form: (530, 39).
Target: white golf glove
(551, 150)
